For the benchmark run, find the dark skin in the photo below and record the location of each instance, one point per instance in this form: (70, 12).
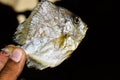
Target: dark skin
(12, 61)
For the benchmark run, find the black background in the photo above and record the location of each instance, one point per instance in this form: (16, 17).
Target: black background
(94, 59)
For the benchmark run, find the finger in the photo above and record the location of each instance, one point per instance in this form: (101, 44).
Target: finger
(14, 65)
(4, 55)
(3, 59)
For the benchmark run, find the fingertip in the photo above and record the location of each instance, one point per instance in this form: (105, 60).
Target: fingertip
(16, 53)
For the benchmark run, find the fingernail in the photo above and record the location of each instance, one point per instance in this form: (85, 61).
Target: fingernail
(16, 55)
(6, 50)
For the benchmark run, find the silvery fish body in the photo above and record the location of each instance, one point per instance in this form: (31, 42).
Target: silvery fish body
(49, 35)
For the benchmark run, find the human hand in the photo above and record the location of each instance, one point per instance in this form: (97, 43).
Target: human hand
(12, 61)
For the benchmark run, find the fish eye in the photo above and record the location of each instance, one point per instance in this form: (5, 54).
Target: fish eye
(76, 20)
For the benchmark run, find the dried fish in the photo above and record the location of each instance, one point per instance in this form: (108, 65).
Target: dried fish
(49, 35)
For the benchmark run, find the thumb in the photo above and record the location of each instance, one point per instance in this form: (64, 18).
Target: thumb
(14, 65)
